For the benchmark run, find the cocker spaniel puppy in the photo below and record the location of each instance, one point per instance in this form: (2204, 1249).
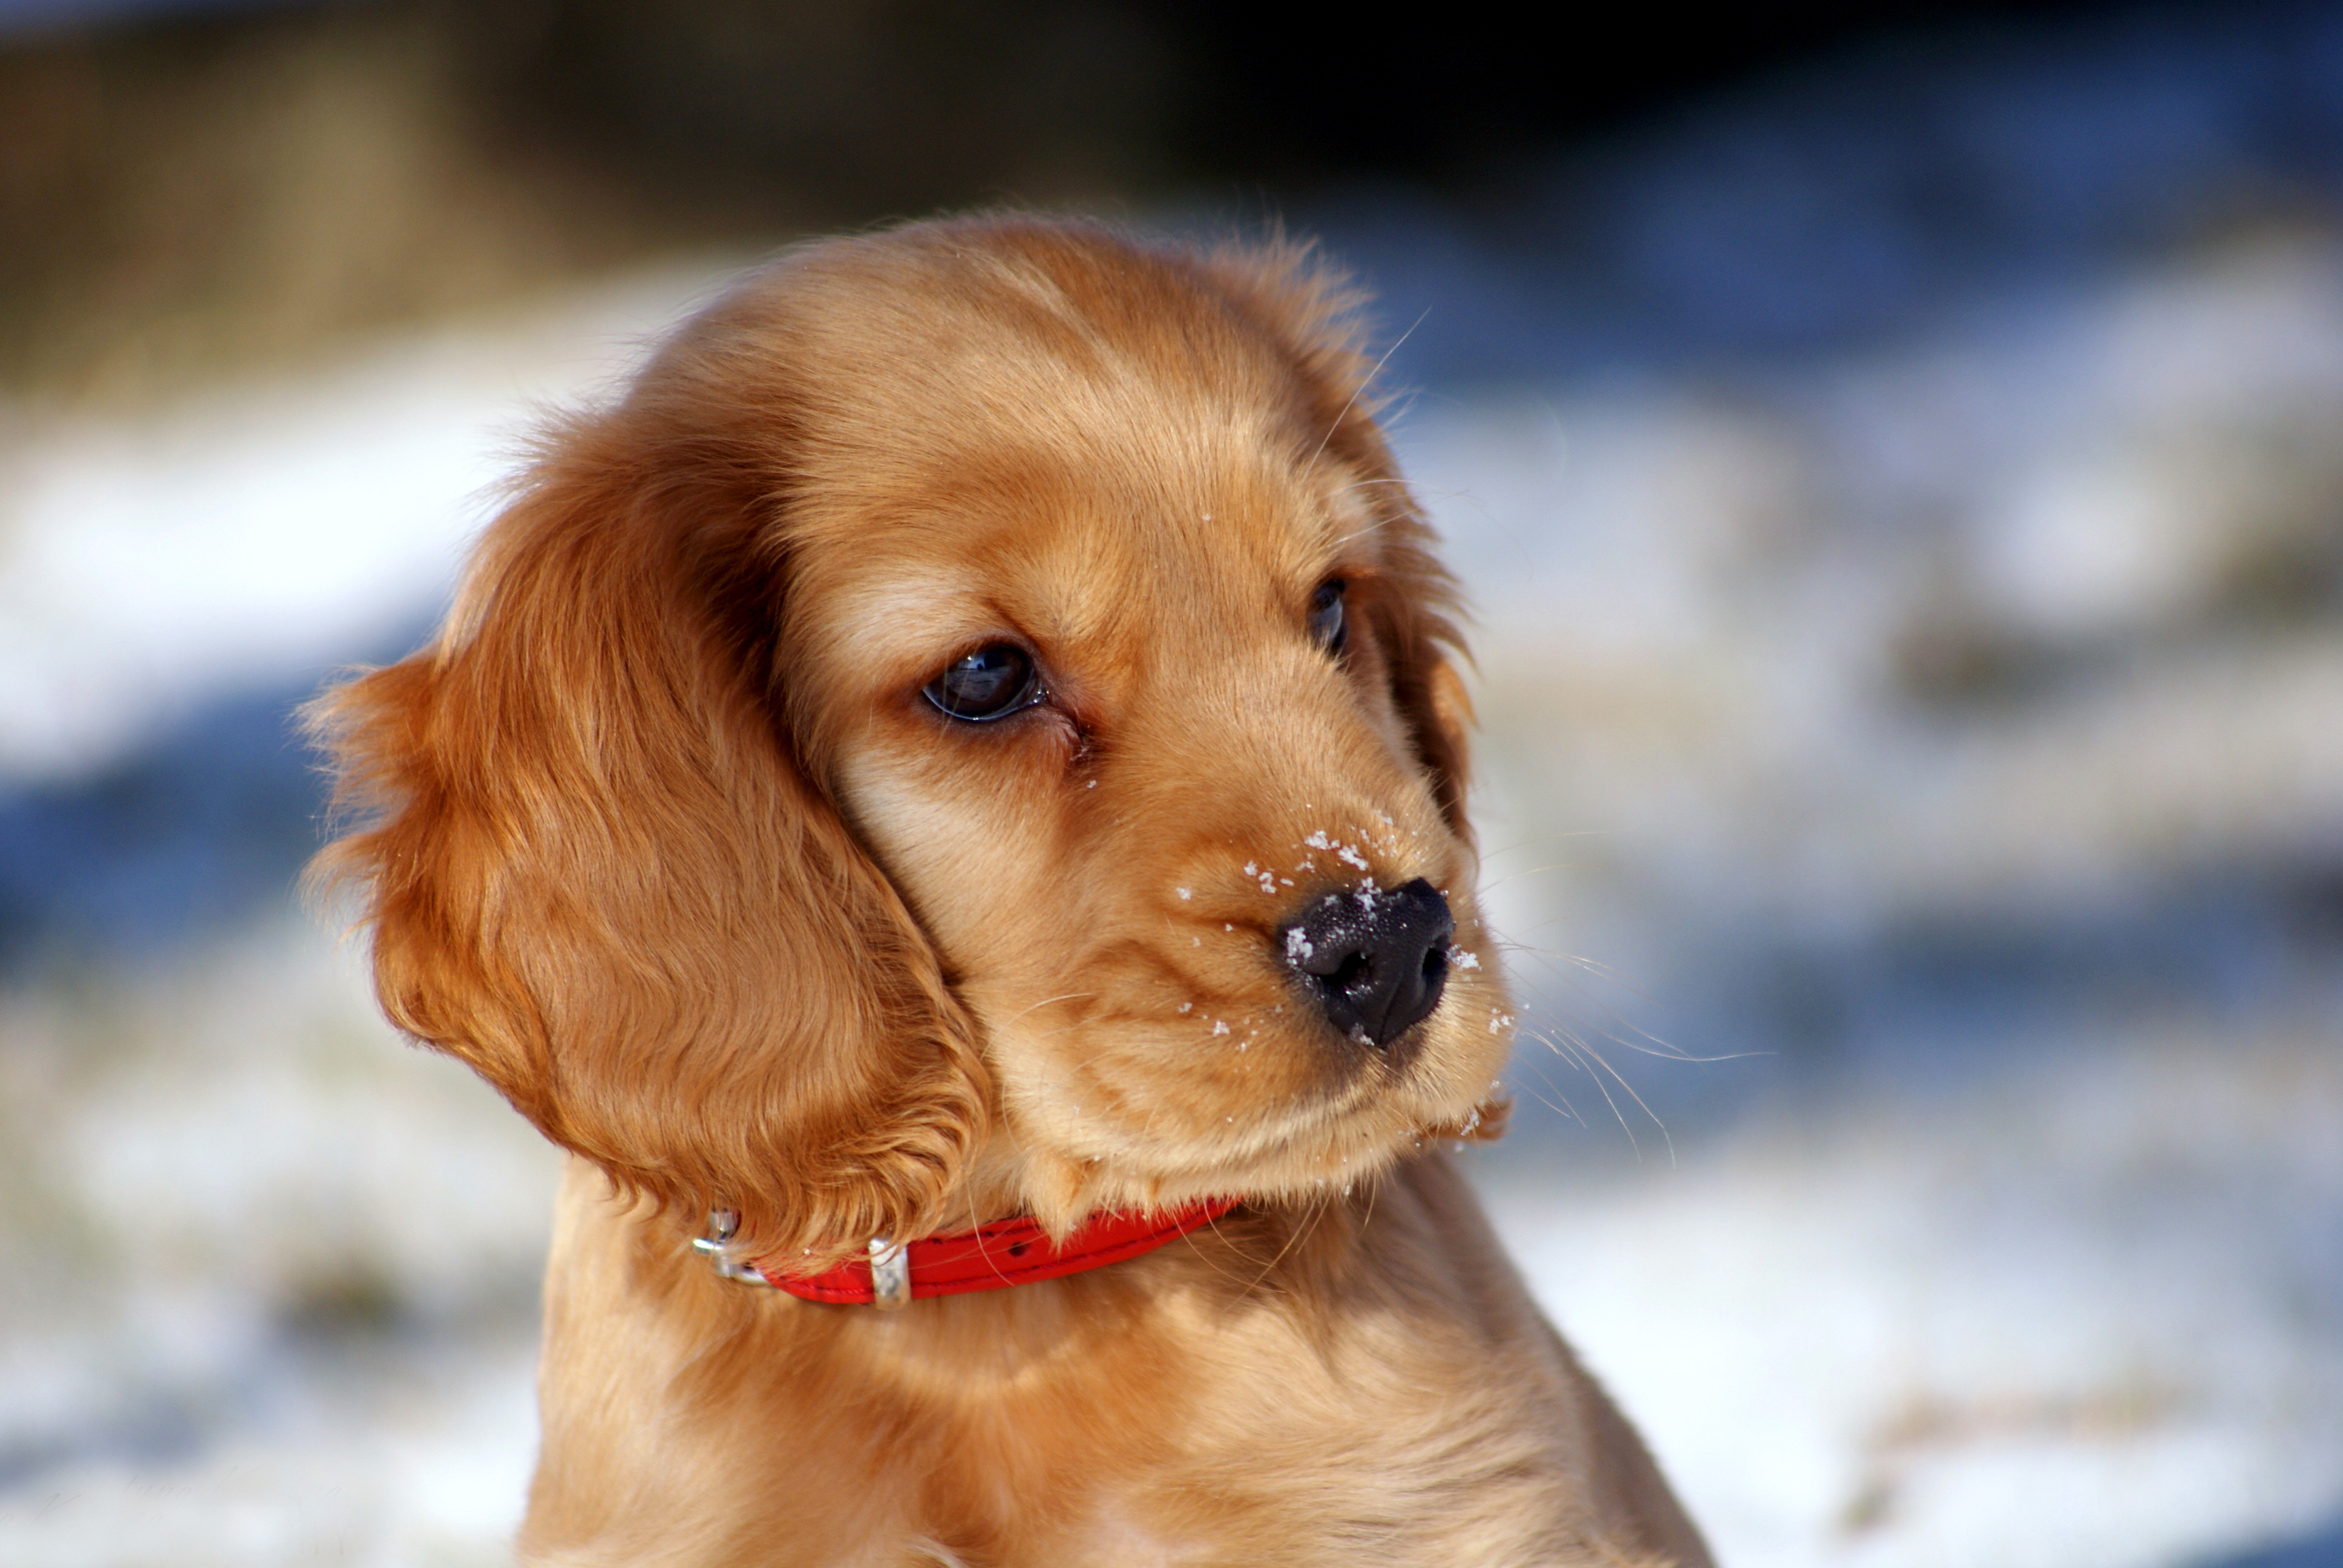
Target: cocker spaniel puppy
(958, 775)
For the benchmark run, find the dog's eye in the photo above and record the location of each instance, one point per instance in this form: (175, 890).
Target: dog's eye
(1327, 624)
(994, 682)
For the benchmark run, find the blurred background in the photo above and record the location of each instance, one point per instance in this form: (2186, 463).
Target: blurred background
(1897, 456)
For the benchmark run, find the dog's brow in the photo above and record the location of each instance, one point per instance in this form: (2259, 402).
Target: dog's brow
(897, 610)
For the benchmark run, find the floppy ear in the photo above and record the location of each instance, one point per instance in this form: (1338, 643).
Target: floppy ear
(595, 872)
(1412, 607)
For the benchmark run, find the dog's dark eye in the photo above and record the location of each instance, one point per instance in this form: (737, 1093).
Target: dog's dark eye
(991, 683)
(1327, 624)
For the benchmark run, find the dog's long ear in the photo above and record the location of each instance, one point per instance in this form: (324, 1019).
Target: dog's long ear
(1413, 608)
(594, 871)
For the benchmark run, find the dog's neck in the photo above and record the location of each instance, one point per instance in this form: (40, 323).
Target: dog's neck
(1003, 1253)
(997, 1256)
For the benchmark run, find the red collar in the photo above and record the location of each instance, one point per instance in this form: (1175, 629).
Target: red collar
(1007, 1252)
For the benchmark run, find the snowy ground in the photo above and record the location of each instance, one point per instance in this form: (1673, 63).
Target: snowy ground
(2081, 1314)
(1911, 763)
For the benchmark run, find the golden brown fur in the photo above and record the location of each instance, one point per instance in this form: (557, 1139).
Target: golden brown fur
(666, 843)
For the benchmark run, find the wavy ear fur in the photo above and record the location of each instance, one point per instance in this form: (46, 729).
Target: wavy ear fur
(1413, 608)
(594, 871)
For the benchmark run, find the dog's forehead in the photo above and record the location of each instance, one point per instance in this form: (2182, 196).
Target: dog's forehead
(1070, 485)
(1107, 551)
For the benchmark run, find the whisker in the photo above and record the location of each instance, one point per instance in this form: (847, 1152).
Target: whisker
(1629, 1089)
(1396, 412)
(1317, 1212)
(1528, 871)
(1569, 1048)
(1045, 1002)
(1546, 958)
(1645, 1043)
(1356, 392)
(1371, 527)
(1573, 1055)
(1565, 1108)
(1663, 1050)
(1213, 1225)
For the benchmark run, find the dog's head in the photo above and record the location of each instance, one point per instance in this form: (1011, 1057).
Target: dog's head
(973, 727)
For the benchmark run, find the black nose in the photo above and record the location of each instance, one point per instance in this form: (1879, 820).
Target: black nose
(1377, 961)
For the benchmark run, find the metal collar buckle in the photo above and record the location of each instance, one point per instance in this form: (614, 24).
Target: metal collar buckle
(715, 1246)
(891, 1265)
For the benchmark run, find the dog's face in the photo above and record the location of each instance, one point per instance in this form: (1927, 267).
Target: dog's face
(1042, 770)
(1116, 727)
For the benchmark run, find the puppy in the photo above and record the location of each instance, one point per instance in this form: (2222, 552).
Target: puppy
(960, 775)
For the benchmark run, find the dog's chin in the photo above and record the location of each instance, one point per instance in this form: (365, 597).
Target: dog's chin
(1304, 1151)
